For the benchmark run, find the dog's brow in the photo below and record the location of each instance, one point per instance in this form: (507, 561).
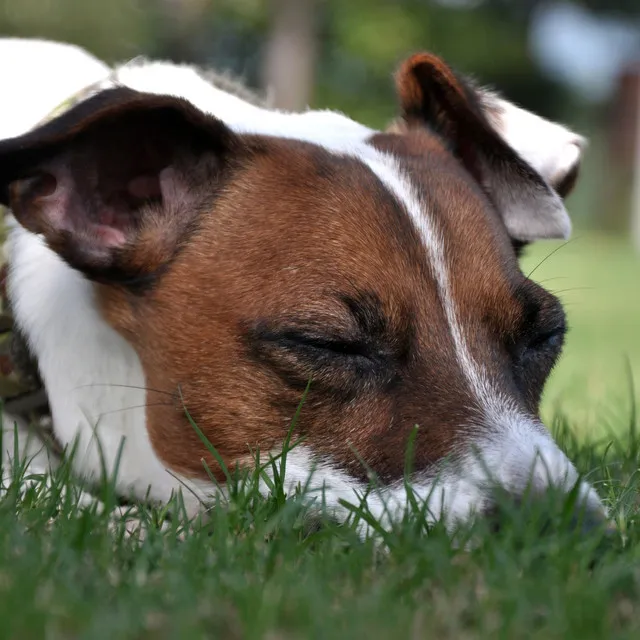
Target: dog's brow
(366, 308)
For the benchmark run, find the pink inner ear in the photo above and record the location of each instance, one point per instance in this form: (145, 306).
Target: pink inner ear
(96, 219)
(47, 203)
(170, 185)
(109, 237)
(145, 187)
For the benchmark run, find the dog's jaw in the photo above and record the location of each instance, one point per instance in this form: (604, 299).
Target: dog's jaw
(452, 494)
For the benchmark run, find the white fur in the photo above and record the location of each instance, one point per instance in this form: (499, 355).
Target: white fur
(36, 76)
(94, 377)
(520, 459)
(552, 150)
(322, 127)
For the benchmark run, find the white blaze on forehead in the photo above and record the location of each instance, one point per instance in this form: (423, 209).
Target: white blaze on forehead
(386, 168)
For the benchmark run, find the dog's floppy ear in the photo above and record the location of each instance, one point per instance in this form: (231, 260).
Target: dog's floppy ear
(116, 182)
(432, 96)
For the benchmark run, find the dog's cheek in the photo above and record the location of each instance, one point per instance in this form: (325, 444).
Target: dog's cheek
(119, 309)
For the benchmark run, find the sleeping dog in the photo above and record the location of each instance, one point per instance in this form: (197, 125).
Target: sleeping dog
(180, 253)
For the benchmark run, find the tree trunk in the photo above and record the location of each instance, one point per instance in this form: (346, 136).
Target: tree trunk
(635, 184)
(182, 23)
(290, 56)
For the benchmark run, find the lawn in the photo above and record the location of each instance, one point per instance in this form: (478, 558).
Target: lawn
(254, 570)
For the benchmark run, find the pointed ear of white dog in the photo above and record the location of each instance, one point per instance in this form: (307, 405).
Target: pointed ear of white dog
(553, 150)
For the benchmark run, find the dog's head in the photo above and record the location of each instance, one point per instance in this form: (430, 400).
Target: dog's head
(380, 267)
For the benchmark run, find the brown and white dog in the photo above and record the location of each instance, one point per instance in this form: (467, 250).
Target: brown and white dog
(180, 247)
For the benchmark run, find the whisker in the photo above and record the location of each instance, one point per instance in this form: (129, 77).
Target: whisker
(556, 292)
(126, 386)
(564, 244)
(551, 279)
(139, 406)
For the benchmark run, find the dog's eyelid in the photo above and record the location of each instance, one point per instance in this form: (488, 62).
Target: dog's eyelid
(308, 334)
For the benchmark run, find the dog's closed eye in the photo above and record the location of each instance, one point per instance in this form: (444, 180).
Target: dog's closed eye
(330, 356)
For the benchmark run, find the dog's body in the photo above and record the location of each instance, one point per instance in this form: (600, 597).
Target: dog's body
(167, 259)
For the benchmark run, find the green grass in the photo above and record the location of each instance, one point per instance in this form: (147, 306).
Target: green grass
(256, 569)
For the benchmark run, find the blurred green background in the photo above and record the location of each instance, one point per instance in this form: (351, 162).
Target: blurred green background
(576, 62)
